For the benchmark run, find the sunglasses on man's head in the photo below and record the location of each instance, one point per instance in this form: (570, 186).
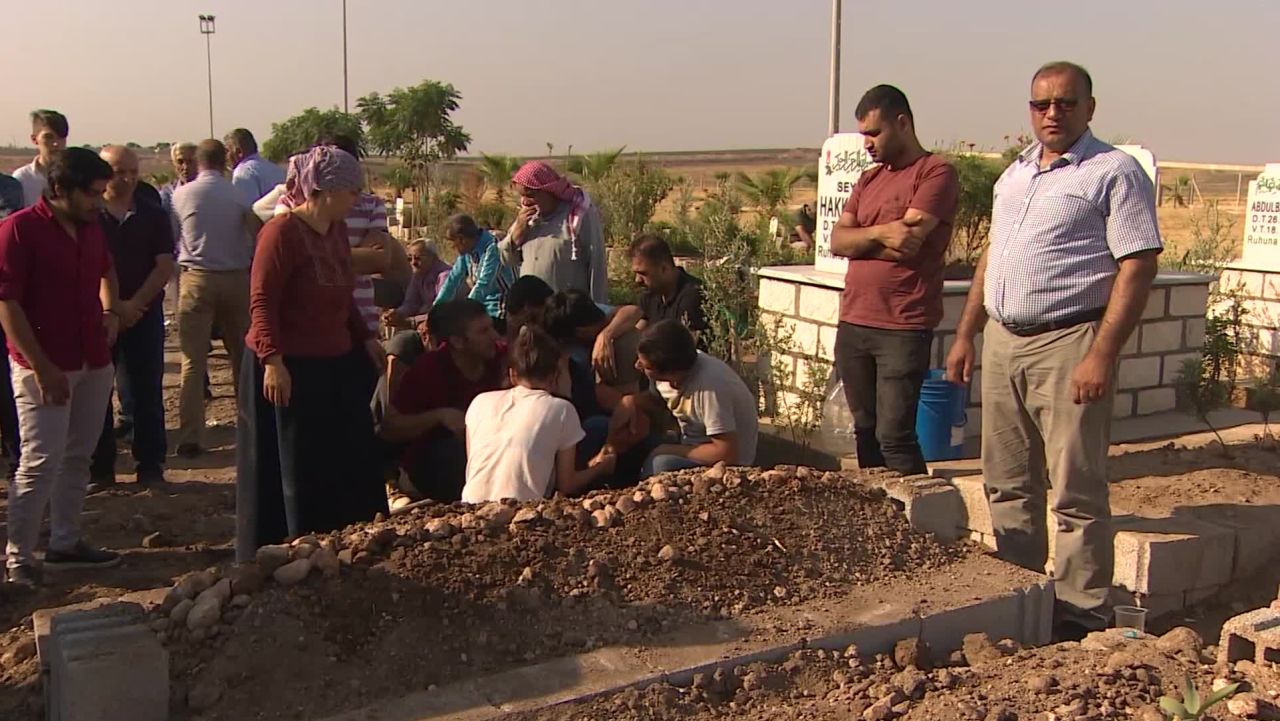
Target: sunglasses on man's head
(1066, 105)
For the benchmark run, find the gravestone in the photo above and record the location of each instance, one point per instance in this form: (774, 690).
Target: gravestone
(1262, 222)
(1146, 159)
(842, 161)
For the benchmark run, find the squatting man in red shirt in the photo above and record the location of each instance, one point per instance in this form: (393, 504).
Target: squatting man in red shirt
(58, 305)
(894, 230)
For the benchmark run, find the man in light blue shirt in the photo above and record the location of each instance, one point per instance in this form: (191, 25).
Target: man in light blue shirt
(215, 249)
(253, 176)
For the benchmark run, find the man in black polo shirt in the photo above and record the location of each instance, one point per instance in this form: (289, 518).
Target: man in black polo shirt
(141, 243)
(670, 293)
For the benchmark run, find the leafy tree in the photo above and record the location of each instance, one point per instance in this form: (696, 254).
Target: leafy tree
(976, 177)
(297, 134)
(132, 145)
(627, 196)
(497, 171)
(769, 191)
(594, 167)
(415, 124)
(399, 178)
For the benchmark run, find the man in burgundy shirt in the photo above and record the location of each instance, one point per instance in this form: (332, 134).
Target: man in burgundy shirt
(894, 230)
(429, 407)
(141, 243)
(58, 306)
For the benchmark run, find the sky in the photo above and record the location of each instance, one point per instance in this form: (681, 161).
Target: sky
(1192, 81)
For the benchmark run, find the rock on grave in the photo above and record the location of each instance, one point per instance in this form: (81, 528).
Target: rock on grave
(440, 529)
(669, 553)
(303, 550)
(292, 573)
(194, 583)
(326, 561)
(592, 504)
(272, 557)
(659, 492)
(204, 615)
(246, 578)
(912, 652)
(601, 519)
(1180, 639)
(716, 472)
(178, 615)
(218, 593)
(641, 498)
(496, 514)
(978, 649)
(626, 505)
(526, 515)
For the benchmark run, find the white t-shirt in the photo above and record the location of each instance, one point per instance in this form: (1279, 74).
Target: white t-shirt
(712, 401)
(513, 436)
(33, 182)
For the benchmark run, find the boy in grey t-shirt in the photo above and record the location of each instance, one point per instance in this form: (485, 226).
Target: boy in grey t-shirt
(716, 411)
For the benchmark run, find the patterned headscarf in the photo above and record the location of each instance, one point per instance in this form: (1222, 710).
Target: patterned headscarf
(537, 175)
(323, 168)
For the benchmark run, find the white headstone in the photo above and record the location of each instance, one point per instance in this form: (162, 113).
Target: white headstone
(1262, 221)
(843, 159)
(1146, 159)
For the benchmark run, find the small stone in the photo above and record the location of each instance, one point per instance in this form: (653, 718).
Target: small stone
(1180, 639)
(241, 601)
(156, 540)
(346, 556)
(293, 572)
(978, 649)
(881, 710)
(659, 492)
(307, 540)
(1121, 660)
(626, 505)
(204, 695)
(246, 578)
(641, 498)
(194, 583)
(440, 529)
(947, 678)
(716, 472)
(270, 558)
(1042, 684)
(912, 653)
(1150, 713)
(325, 561)
(601, 519)
(23, 650)
(204, 614)
(526, 515)
(526, 576)
(669, 553)
(218, 593)
(470, 521)
(178, 615)
(702, 484)
(780, 592)
(496, 514)
(303, 550)
(1252, 706)
(591, 505)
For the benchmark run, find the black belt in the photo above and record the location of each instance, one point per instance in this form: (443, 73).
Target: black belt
(1026, 331)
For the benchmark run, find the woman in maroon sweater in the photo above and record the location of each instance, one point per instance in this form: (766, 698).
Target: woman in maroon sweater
(307, 457)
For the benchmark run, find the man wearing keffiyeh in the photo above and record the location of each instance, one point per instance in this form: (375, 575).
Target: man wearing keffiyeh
(557, 235)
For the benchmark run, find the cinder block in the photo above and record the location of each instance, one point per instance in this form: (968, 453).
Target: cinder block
(103, 665)
(1161, 337)
(1156, 556)
(973, 502)
(819, 304)
(1193, 333)
(827, 343)
(931, 505)
(1156, 400)
(1171, 367)
(1157, 304)
(1257, 534)
(1253, 636)
(1139, 373)
(778, 296)
(1189, 300)
(1025, 616)
(1122, 407)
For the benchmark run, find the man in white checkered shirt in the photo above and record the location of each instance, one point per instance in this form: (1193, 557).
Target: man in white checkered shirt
(1065, 280)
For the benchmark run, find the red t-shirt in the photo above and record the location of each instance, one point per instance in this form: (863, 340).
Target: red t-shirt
(905, 295)
(435, 381)
(300, 292)
(56, 280)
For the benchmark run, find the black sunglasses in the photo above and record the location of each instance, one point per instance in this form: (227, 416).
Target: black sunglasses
(1066, 105)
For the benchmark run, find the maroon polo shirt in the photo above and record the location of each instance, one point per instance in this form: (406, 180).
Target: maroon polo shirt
(55, 279)
(436, 382)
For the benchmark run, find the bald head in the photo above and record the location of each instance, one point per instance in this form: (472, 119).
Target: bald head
(124, 168)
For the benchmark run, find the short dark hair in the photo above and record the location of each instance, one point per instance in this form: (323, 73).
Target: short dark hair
(461, 226)
(211, 153)
(534, 354)
(890, 101)
(242, 139)
(652, 248)
(450, 319)
(527, 291)
(570, 310)
(343, 142)
(1063, 66)
(77, 169)
(51, 119)
(668, 347)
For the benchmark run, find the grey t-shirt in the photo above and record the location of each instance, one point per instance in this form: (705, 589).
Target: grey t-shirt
(713, 400)
(548, 253)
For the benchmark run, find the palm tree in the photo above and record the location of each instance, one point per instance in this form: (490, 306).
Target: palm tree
(594, 166)
(769, 191)
(497, 171)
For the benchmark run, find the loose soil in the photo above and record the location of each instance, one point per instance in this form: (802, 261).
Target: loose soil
(1106, 677)
(412, 612)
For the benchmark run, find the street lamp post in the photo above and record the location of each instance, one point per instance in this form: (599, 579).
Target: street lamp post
(207, 30)
(833, 124)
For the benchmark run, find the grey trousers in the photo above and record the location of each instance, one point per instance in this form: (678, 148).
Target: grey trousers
(57, 442)
(1041, 452)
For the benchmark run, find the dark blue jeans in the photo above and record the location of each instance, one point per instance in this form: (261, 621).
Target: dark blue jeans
(139, 359)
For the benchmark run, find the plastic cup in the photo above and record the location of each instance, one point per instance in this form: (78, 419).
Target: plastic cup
(1131, 617)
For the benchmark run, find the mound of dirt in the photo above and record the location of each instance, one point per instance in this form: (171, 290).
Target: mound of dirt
(449, 592)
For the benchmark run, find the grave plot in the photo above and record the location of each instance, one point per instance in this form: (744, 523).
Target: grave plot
(446, 594)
